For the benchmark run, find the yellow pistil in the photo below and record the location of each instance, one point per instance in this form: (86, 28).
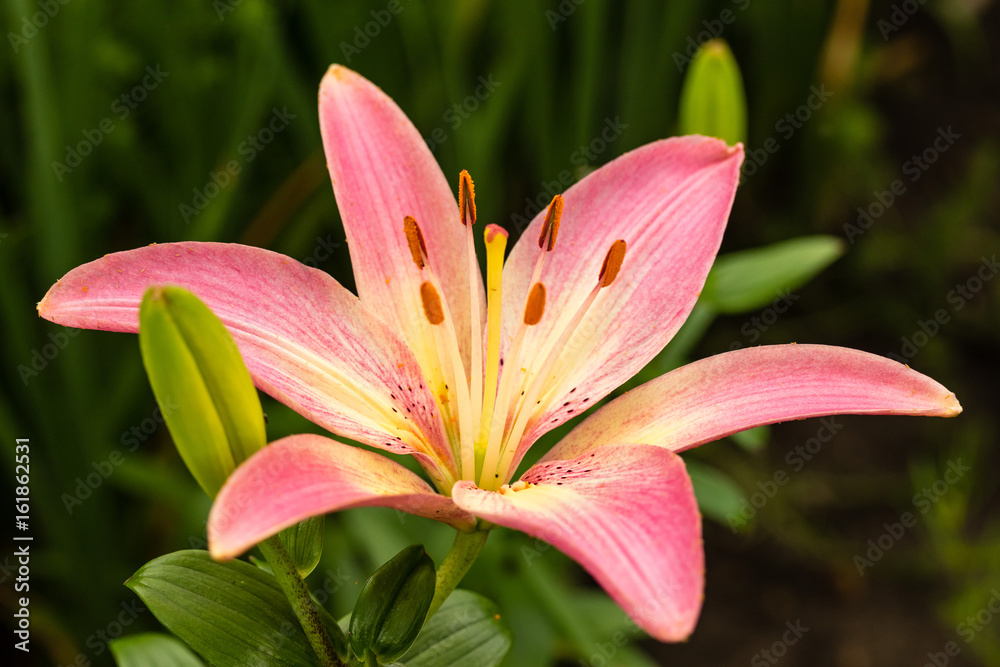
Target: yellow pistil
(496, 242)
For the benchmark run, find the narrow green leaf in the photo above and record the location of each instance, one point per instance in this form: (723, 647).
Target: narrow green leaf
(393, 604)
(718, 495)
(750, 279)
(304, 542)
(192, 360)
(713, 102)
(233, 614)
(467, 631)
(152, 649)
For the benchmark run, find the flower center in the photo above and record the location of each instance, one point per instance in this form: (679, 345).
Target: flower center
(495, 402)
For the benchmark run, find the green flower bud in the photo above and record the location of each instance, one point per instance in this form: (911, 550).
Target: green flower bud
(192, 360)
(392, 606)
(712, 99)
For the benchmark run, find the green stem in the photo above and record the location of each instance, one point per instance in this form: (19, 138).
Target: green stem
(302, 603)
(460, 558)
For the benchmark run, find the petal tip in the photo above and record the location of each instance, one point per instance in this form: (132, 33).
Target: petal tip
(951, 407)
(223, 545)
(718, 148)
(337, 73)
(670, 628)
(674, 634)
(222, 552)
(44, 307)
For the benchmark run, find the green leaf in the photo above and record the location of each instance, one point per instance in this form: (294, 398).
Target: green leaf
(304, 542)
(393, 605)
(750, 279)
(152, 649)
(232, 614)
(718, 495)
(713, 102)
(467, 631)
(193, 362)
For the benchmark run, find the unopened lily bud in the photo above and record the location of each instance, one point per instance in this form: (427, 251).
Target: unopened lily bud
(392, 606)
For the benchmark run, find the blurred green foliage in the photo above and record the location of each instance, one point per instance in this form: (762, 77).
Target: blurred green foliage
(128, 124)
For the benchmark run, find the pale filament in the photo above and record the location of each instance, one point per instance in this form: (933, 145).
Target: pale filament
(609, 271)
(436, 312)
(467, 211)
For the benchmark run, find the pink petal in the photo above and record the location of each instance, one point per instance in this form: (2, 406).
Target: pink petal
(734, 391)
(307, 475)
(307, 341)
(383, 171)
(628, 515)
(669, 202)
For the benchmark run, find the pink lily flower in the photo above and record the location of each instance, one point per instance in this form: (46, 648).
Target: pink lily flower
(426, 361)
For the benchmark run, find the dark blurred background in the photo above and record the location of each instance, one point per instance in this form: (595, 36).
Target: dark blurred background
(122, 122)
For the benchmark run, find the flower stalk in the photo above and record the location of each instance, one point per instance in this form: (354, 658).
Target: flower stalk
(463, 553)
(300, 600)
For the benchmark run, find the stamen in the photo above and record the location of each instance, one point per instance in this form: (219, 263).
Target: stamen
(536, 305)
(550, 228)
(467, 209)
(432, 303)
(415, 239)
(547, 237)
(498, 420)
(446, 341)
(612, 262)
(466, 198)
(437, 350)
(609, 271)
